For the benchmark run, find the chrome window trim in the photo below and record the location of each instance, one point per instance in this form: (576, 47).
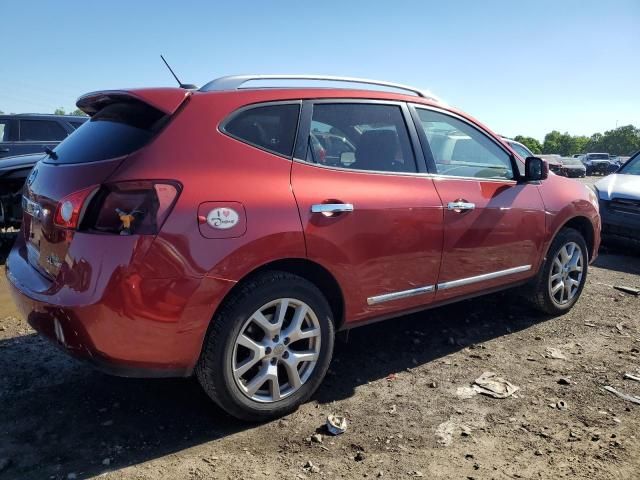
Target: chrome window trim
(482, 278)
(222, 124)
(387, 297)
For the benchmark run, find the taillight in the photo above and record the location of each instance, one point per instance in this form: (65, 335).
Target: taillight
(69, 209)
(127, 208)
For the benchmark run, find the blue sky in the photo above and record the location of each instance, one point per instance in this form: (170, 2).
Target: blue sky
(521, 67)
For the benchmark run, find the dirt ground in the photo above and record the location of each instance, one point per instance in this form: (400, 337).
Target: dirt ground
(401, 384)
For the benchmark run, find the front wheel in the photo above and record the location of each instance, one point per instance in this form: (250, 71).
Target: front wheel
(268, 348)
(559, 284)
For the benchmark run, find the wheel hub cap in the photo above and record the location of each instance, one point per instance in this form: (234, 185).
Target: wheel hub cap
(276, 350)
(566, 273)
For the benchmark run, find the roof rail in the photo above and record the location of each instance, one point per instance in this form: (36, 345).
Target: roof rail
(235, 82)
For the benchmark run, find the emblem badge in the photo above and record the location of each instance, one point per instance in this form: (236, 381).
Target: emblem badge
(222, 218)
(32, 176)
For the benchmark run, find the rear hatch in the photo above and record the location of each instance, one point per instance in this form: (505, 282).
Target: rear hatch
(60, 188)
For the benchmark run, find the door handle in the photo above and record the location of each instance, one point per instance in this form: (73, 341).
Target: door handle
(5, 150)
(329, 209)
(460, 206)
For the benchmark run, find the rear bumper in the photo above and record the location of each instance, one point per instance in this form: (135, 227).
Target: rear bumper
(102, 310)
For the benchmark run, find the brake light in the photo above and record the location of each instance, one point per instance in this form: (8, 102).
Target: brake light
(126, 208)
(69, 209)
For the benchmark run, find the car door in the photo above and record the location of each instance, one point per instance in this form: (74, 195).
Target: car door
(493, 225)
(369, 212)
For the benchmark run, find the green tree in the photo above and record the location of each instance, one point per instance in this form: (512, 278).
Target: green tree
(531, 143)
(59, 111)
(77, 111)
(551, 142)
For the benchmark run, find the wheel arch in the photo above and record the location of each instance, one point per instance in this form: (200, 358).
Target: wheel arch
(583, 225)
(309, 270)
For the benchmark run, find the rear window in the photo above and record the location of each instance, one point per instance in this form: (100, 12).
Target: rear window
(270, 127)
(114, 131)
(599, 156)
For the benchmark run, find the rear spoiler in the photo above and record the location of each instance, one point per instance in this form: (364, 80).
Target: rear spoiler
(167, 100)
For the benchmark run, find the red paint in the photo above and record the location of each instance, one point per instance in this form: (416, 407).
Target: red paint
(145, 301)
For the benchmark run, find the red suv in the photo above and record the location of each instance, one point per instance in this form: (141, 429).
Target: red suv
(231, 231)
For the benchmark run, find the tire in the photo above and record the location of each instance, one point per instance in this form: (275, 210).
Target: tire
(268, 293)
(540, 292)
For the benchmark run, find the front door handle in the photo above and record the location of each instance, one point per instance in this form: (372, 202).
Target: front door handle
(4, 150)
(329, 209)
(461, 206)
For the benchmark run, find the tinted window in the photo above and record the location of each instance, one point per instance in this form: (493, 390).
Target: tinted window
(76, 124)
(360, 136)
(117, 130)
(632, 167)
(460, 150)
(41, 131)
(4, 130)
(271, 127)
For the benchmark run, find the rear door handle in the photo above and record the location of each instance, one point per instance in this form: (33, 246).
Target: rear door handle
(460, 206)
(331, 208)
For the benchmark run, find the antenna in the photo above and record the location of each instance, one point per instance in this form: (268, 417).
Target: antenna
(182, 85)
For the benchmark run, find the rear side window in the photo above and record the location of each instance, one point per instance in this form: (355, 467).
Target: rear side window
(116, 130)
(41, 131)
(4, 130)
(360, 136)
(270, 127)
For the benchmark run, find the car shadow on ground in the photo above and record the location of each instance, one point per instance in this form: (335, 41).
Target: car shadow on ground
(58, 416)
(624, 259)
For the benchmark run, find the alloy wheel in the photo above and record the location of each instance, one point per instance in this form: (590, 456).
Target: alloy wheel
(566, 273)
(276, 350)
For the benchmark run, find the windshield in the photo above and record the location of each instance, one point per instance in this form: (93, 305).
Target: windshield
(571, 161)
(632, 167)
(599, 156)
(521, 150)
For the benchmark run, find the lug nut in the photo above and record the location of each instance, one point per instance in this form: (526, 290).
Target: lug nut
(267, 350)
(275, 339)
(285, 355)
(286, 341)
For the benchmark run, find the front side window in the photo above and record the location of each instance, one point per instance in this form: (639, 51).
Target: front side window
(41, 131)
(270, 127)
(360, 136)
(460, 150)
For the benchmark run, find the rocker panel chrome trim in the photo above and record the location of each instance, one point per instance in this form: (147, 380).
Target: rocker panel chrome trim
(482, 278)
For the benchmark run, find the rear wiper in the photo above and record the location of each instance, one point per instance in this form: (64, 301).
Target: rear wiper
(51, 153)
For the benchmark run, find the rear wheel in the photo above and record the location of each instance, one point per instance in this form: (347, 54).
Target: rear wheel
(269, 347)
(560, 282)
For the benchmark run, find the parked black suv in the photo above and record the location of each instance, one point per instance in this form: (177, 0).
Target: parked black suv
(32, 133)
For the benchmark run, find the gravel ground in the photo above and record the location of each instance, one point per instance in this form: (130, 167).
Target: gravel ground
(403, 384)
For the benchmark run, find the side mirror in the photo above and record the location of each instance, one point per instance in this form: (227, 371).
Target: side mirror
(535, 169)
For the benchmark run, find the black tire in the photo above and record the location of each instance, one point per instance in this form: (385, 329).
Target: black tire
(214, 369)
(539, 291)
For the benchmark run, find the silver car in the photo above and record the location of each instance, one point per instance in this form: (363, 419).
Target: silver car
(619, 198)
